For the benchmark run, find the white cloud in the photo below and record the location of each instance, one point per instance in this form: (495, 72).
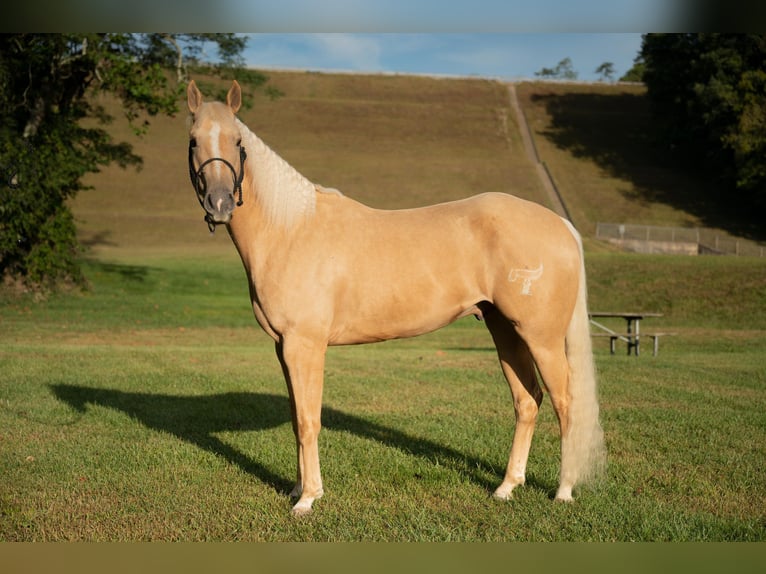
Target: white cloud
(358, 52)
(353, 52)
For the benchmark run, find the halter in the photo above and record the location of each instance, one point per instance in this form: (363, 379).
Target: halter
(200, 185)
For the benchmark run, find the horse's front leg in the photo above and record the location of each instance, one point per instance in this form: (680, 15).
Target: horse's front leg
(302, 362)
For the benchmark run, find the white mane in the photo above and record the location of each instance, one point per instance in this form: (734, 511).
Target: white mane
(285, 195)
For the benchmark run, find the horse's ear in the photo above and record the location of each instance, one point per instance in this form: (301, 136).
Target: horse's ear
(193, 97)
(234, 97)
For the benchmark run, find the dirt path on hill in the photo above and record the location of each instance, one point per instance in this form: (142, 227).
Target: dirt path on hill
(556, 202)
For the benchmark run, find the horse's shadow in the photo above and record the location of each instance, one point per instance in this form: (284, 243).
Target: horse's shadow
(196, 420)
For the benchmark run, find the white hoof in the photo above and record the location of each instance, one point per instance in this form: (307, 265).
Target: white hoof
(303, 506)
(505, 490)
(564, 494)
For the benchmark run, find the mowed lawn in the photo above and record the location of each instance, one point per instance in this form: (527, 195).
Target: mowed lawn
(153, 408)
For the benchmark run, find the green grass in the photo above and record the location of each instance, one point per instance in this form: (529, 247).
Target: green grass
(152, 408)
(693, 293)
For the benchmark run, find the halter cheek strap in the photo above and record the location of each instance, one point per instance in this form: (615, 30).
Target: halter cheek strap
(198, 177)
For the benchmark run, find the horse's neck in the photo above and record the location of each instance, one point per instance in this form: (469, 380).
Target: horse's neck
(284, 196)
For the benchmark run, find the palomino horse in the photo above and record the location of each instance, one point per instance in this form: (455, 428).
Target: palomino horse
(324, 270)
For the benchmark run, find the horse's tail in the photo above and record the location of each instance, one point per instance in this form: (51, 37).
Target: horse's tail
(584, 448)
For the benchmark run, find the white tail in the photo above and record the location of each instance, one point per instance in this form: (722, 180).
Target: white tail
(583, 454)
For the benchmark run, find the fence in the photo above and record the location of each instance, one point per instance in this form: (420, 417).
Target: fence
(691, 241)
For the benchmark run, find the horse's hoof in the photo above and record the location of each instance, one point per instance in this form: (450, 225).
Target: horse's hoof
(505, 490)
(564, 494)
(302, 508)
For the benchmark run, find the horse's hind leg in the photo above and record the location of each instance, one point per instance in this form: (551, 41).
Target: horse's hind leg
(519, 371)
(552, 363)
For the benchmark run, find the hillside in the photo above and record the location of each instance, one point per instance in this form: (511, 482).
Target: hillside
(388, 141)
(599, 145)
(403, 141)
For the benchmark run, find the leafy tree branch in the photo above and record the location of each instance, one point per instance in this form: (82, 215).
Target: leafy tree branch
(47, 84)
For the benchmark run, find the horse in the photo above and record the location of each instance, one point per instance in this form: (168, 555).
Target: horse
(324, 269)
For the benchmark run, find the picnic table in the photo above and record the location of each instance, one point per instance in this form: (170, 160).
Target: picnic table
(632, 334)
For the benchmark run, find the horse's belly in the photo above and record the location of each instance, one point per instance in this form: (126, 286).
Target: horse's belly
(367, 323)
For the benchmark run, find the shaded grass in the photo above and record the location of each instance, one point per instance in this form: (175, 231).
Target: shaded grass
(601, 145)
(177, 427)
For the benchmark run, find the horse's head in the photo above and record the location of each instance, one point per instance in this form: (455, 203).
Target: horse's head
(216, 155)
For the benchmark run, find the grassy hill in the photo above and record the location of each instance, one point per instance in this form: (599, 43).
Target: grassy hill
(388, 141)
(403, 141)
(598, 143)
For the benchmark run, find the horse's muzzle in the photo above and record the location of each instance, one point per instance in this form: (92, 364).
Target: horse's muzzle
(219, 205)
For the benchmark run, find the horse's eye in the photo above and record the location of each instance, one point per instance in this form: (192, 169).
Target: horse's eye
(193, 142)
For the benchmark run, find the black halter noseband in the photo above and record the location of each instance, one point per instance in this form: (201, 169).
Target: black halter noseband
(200, 185)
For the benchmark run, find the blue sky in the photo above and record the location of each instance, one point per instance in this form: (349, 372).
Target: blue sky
(444, 16)
(506, 39)
(504, 56)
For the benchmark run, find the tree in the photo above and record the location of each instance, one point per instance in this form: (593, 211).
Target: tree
(562, 71)
(709, 93)
(636, 72)
(546, 73)
(606, 71)
(46, 84)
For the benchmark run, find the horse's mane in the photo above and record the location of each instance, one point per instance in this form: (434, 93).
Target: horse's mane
(284, 194)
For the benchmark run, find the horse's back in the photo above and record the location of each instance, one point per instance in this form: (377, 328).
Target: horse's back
(402, 272)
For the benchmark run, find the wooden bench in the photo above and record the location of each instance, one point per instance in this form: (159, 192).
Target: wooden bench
(632, 334)
(632, 340)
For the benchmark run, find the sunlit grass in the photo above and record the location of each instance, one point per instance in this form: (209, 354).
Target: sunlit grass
(120, 423)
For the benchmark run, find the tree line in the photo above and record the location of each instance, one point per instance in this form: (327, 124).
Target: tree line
(708, 96)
